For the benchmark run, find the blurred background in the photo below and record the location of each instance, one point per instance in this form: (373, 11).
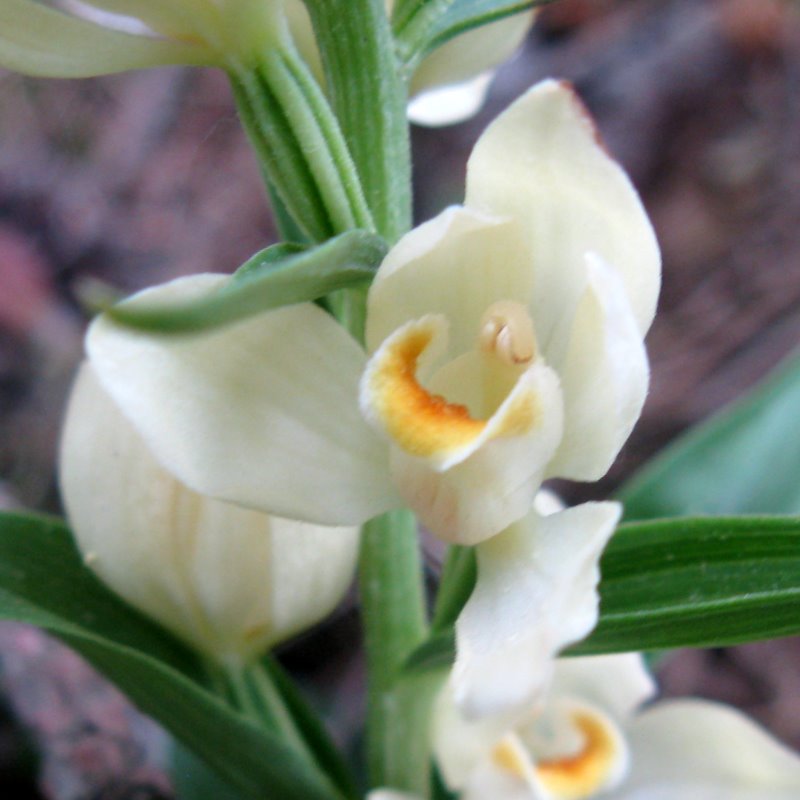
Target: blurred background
(110, 185)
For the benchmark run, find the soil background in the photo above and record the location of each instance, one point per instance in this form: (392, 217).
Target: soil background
(110, 185)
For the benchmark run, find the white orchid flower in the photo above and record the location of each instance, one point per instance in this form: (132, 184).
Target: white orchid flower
(590, 740)
(82, 38)
(229, 581)
(504, 346)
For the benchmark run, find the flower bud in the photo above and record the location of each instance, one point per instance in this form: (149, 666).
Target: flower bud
(229, 581)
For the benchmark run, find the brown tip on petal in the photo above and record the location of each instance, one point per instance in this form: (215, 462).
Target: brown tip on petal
(586, 116)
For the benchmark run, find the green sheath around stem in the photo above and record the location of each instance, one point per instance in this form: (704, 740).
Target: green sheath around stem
(369, 96)
(299, 144)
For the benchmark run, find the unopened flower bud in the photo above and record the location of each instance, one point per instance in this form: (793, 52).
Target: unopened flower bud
(229, 581)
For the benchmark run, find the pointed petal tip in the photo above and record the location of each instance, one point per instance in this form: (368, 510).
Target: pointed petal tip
(536, 593)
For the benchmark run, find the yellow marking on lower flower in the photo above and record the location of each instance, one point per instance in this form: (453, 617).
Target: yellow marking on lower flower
(422, 423)
(511, 757)
(581, 775)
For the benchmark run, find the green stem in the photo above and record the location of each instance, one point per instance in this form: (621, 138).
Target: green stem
(249, 689)
(272, 708)
(393, 610)
(369, 96)
(299, 143)
(394, 620)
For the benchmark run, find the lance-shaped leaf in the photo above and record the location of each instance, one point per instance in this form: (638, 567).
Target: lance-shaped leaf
(703, 582)
(44, 582)
(746, 460)
(279, 276)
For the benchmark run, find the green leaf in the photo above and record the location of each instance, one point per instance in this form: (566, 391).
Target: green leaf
(429, 25)
(458, 580)
(193, 780)
(311, 728)
(436, 653)
(278, 276)
(745, 460)
(404, 10)
(703, 582)
(43, 581)
(439, 790)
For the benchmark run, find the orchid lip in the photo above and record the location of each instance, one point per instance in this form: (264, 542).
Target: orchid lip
(597, 763)
(580, 775)
(427, 425)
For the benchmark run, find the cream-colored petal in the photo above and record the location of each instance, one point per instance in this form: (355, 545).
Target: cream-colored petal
(547, 502)
(471, 53)
(38, 40)
(698, 750)
(173, 18)
(460, 746)
(302, 32)
(493, 479)
(604, 377)
(229, 581)
(391, 794)
(263, 412)
(619, 683)
(447, 105)
(536, 593)
(456, 265)
(541, 163)
(312, 567)
(491, 780)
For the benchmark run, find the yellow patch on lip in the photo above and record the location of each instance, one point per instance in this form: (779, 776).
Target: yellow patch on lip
(511, 757)
(581, 775)
(422, 423)
(428, 425)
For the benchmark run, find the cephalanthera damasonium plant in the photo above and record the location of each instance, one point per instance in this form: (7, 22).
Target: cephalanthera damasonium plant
(237, 446)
